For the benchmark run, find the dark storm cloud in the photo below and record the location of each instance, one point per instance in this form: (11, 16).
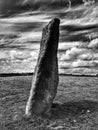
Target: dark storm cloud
(6, 5)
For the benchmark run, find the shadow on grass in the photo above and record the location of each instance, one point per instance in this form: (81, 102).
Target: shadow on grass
(73, 108)
(59, 112)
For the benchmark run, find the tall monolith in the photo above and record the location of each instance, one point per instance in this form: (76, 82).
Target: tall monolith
(45, 80)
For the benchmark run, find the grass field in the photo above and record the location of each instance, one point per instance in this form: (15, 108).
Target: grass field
(75, 106)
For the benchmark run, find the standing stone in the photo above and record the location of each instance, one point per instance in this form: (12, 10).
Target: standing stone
(45, 81)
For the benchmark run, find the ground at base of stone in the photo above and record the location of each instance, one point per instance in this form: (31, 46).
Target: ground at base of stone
(75, 106)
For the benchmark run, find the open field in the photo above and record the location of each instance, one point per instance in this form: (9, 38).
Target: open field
(75, 106)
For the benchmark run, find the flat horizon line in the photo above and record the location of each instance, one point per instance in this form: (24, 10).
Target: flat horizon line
(31, 73)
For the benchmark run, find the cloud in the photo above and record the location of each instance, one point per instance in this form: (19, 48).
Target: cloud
(6, 5)
(83, 45)
(86, 56)
(20, 55)
(93, 44)
(79, 63)
(68, 45)
(95, 56)
(3, 55)
(65, 65)
(82, 63)
(73, 53)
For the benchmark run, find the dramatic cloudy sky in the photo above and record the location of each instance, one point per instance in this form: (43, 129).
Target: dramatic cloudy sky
(20, 37)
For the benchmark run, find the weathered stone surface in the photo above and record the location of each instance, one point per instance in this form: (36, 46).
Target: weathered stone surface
(45, 82)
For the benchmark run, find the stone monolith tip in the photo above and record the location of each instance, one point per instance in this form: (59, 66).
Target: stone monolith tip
(46, 78)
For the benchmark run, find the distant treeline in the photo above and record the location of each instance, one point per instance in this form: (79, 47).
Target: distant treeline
(15, 74)
(31, 74)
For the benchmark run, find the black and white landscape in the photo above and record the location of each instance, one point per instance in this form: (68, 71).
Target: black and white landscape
(75, 106)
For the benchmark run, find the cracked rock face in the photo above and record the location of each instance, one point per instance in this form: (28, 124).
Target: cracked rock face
(45, 81)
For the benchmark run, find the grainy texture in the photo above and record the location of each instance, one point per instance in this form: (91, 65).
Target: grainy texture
(75, 106)
(45, 82)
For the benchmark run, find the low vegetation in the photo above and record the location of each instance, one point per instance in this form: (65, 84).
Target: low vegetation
(75, 106)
